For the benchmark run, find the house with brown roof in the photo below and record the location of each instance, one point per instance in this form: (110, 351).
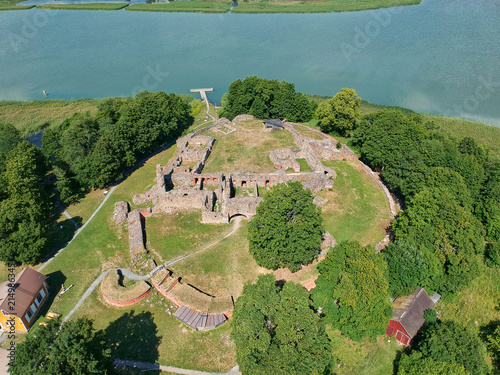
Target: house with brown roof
(22, 300)
(408, 315)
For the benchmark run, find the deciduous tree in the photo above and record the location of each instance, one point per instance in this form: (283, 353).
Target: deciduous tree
(406, 268)
(352, 291)
(287, 230)
(416, 364)
(24, 214)
(76, 349)
(277, 332)
(450, 342)
(340, 112)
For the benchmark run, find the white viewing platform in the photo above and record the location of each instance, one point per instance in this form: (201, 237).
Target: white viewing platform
(203, 93)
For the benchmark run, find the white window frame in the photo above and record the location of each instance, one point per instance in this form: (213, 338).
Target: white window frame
(42, 294)
(32, 309)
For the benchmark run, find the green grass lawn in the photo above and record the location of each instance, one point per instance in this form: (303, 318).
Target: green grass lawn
(356, 207)
(223, 269)
(368, 357)
(246, 149)
(185, 6)
(94, 6)
(308, 6)
(304, 167)
(309, 133)
(147, 332)
(178, 234)
(33, 116)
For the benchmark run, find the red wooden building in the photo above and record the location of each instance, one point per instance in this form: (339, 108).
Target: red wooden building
(408, 315)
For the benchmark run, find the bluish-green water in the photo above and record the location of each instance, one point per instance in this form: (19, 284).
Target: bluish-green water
(441, 56)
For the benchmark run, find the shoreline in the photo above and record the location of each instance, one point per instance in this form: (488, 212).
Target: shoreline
(200, 6)
(41, 114)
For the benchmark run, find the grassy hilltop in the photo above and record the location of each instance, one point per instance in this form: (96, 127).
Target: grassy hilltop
(355, 209)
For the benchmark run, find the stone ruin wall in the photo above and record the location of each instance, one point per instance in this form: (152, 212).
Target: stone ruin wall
(188, 183)
(284, 158)
(135, 220)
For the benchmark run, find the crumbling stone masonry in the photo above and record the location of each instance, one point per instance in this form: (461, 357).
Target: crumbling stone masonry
(182, 184)
(121, 212)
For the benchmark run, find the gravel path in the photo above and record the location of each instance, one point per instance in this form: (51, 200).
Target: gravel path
(153, 366)
(85, 295)
(133, 276)
(103, 202)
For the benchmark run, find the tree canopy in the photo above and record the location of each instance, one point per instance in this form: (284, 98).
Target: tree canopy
(264, 98)
(415, 364)
(406, 268)
(277, 332)
(449, 188)
(352, 291)
(26, 209)
(287, 230)
(340, 112)
(453, 343)
(93, 152)
(76, 349)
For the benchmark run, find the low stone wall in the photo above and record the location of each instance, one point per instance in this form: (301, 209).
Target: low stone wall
(136, 235)
(284, 158)
(120, 213)
(128, 302)
(242, 118)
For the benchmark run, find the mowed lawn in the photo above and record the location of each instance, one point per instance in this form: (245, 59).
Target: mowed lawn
(356, 208)
(174, 235)
(247, 149)
(221, 269)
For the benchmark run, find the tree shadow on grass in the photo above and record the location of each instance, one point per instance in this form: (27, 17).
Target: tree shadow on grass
(59, 234)
(134, 337)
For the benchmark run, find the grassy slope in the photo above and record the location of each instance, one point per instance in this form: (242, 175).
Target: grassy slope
(146, 332)
(484, 134)
(29, 117)
(356, 207)
(102, 246)
(184, 6)
(223, 269)
(94, 6)
(308, 6)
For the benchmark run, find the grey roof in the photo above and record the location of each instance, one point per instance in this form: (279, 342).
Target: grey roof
(273, 122)
(199, 321)
(409, 310)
